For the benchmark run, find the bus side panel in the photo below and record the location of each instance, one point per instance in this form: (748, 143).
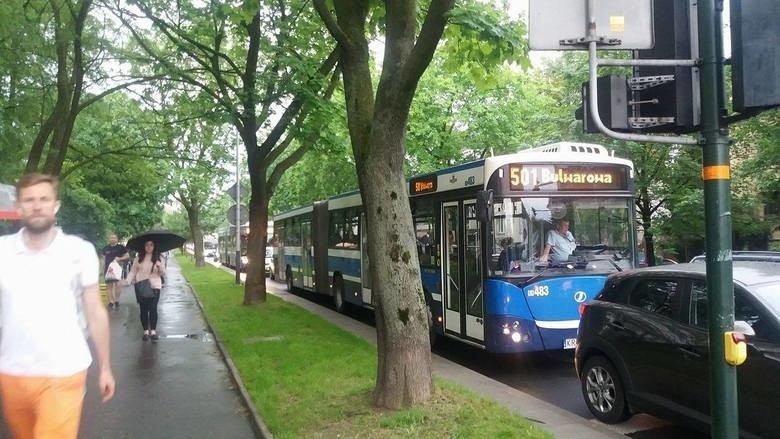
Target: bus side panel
(431, 282)
(349, 267)
(294, 261)
(507, 313)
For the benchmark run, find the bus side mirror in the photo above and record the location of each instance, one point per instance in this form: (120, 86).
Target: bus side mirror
(485, 206)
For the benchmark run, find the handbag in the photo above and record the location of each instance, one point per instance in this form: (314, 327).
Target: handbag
(143, 290)
(114, 271)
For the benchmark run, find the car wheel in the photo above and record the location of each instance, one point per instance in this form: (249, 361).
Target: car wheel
(288, 276)
(603, 391)
(338, 294)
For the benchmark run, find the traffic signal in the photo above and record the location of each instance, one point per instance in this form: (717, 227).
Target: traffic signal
(666, 99)
(612, 101)
(755, 48)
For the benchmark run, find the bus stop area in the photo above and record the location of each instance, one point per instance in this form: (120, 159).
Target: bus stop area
(177, 387)
(181, 386)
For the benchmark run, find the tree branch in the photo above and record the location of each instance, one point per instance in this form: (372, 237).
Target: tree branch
(332, 26)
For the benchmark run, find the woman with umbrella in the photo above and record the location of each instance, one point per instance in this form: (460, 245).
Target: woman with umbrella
(149, 265)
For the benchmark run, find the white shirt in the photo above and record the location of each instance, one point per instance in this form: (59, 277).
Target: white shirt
(41, 308)
(561, 246)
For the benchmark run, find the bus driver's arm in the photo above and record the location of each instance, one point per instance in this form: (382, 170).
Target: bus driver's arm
(97, 322)
(545, 253)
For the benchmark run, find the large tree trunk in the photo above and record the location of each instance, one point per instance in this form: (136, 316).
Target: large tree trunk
(404, 361)
(254, 288)
(70, 84)
(193, 216)
(377, 132)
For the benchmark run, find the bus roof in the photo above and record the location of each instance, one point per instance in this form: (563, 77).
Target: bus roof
(474, 173)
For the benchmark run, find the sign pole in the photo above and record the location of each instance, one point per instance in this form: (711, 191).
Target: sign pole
(717, 215)
(238, 212)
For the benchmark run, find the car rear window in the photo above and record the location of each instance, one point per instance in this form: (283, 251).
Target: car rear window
(659, 296)
(771, 295)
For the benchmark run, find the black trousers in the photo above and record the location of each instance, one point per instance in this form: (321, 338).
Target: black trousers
(149, 311)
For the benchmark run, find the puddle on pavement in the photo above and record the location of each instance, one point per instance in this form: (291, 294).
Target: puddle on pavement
(205, 337)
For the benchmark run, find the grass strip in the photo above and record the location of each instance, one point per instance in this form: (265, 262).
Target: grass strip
(311, 379)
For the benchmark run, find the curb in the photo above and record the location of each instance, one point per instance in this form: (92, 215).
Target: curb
(261, 430)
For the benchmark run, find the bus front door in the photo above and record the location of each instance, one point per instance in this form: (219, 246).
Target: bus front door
(462, 271)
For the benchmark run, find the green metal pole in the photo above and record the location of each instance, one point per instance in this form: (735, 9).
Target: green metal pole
(717, 213)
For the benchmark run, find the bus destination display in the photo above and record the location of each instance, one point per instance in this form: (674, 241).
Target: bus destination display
(566, 178)
(422, 185)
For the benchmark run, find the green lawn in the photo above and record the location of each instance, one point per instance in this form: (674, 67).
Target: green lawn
(311, 379)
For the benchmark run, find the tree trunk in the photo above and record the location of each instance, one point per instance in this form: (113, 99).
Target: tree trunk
(254, 288)
(645, 212)
(193, 215)
(403, 345)
(70, 83)
(377, 131)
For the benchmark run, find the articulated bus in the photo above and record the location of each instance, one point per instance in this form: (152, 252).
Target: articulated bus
(481, 232)
(226, 247)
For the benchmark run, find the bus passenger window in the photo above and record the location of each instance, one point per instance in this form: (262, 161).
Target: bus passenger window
(424, 232)
(335, 228)
(351, 230)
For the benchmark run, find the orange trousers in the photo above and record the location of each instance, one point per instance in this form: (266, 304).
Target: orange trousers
(43, 407)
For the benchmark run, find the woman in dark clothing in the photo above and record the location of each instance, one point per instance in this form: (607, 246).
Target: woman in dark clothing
(148, 265)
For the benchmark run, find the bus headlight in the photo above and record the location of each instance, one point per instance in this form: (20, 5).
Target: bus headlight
(516, 337)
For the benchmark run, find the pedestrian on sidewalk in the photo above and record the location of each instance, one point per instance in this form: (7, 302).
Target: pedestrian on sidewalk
(49, 297)
(113, 251)
(148, 265)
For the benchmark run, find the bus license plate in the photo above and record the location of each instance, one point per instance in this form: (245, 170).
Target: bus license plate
(569, 343)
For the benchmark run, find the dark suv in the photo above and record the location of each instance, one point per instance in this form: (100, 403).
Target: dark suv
(642, 346)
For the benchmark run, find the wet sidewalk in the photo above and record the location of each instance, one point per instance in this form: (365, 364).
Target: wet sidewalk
(177, 387)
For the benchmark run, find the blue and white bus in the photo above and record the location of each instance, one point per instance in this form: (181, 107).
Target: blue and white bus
(481, 230)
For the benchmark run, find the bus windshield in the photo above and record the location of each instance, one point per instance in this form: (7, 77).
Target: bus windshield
(598, 238)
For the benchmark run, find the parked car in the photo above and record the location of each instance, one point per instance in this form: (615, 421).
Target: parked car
(269, 263)
(739, 255)
(642, 346)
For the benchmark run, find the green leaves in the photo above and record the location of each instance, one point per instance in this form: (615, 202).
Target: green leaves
(481, 38)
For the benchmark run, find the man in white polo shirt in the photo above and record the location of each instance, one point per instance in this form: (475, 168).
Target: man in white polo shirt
(48, 290)
(559, 244)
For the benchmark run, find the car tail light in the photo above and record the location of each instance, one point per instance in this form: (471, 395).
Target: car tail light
(582, 307)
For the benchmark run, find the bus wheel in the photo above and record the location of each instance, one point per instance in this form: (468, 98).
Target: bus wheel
(338, 294)
(288, 276)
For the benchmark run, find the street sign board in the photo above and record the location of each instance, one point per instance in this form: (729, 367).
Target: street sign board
(231, 215)
(555, 24)
(232, 192)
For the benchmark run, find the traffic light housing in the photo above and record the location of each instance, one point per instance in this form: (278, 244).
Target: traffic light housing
(612, 101)
(755, 49)
(667, 98)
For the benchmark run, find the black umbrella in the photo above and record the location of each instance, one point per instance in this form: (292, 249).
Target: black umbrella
(163, 241)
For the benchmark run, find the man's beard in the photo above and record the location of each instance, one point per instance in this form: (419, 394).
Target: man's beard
(39, 226)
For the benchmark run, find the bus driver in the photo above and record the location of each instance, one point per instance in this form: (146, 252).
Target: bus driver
(560, 241)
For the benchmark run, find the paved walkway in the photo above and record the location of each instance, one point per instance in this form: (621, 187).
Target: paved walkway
(178, 387)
